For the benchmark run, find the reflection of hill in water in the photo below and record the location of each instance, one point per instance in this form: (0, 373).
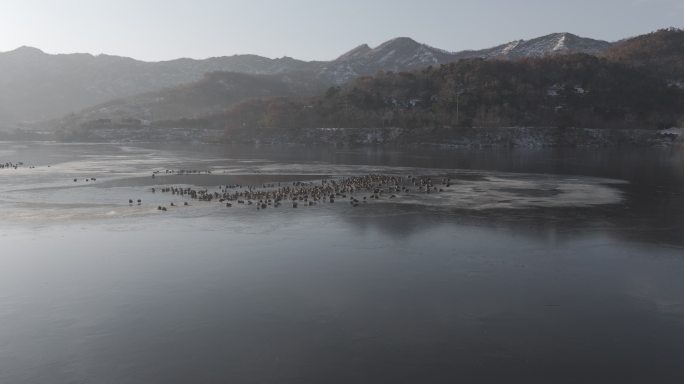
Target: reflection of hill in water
(652, 210)
(545, 225)
(537, 194)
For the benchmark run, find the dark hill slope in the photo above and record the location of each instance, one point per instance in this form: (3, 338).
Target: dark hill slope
(663, 51)
(213, 94)
(562, 91)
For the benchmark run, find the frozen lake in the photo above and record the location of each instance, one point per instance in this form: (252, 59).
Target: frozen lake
(530, 266)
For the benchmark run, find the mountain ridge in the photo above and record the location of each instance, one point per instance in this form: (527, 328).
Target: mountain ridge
(563, 91)
(37, 86)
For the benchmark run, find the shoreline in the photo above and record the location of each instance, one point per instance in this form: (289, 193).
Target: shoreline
(446, 138)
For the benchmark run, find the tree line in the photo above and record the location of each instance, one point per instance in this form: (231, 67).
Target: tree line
(560, 91)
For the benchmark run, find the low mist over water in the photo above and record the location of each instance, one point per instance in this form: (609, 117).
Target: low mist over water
(539, 266)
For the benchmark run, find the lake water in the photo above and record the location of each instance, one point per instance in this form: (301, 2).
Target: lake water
(535, 266)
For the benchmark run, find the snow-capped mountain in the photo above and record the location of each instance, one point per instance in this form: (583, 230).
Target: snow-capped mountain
(394, 55)
(556, 43)
(37, 86)
(404, 53)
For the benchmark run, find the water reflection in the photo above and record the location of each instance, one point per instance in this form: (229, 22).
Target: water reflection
(310, 300)
(392, 292)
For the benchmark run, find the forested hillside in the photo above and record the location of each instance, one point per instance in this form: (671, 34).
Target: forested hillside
(561, 91)
(661, 51)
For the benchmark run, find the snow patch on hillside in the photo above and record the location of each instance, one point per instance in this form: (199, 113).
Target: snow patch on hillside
(560, 45)
(511, 46)
(387, 56)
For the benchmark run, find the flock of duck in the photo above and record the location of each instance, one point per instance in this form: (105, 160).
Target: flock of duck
(14, 165)
(181, 172)
(355, 190)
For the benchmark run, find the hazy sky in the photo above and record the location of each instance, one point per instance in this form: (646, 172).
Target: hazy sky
(311, 29)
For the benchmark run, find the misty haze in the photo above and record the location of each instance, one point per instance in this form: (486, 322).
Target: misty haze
(317, 192)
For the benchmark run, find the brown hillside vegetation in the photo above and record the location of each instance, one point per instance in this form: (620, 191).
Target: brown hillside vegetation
(662, 50)
(562, 91)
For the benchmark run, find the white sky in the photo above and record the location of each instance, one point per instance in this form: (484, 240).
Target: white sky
(311, 29)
